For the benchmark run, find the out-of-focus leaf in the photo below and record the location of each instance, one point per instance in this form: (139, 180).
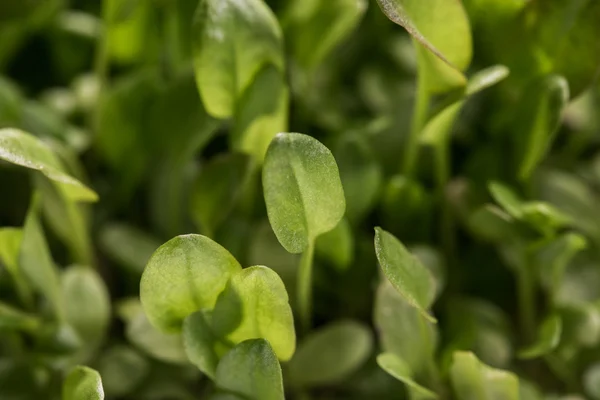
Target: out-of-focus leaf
(315, 28)
(539, 114)
(200, 342)
(252, 370)
(10, 246)
(164, 347)
(217, 190)
(393, 365)
(507, 199)
(14, 319)
(232, 41)
(83, 383)
(36, 261)
(330, 354)
(361, 175)
(184, 275)
(442, 28)
(128, 245)
(302, 188)
(122, 369)
(414, 340)
(20, 148)
(87, 304)
(555, 257)
(337, 245)
(261, 114)
(405, 272)
(473, 380)
(591, 381)
(548, 337)
(255, 304)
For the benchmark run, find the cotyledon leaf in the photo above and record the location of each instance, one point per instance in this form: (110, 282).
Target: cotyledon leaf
(396, 367)
(302, 188)
(548, 337)
(83, 383)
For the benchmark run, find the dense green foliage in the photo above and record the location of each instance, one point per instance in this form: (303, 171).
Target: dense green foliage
(300, 199)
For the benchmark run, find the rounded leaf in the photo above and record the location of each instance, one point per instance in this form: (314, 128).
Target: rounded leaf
(83, 383)
(330, 354)
(255, 304)
(302, 188)
(184, 275)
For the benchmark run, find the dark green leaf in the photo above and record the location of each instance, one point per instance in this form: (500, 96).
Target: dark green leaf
(330, 354)
(14, 319)
(199, 342)
(127, 245)
(122, 369)
(252, 371)
(405, 272)
(184, 275)
(337, 245)
(302, 188)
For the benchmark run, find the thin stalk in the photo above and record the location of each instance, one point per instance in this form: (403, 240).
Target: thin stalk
(305, 286)
(526, 292)
(418, 122)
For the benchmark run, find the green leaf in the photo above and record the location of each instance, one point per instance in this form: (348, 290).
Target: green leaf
(217, 190)
(127, 245)
(414, 340)
(36, 261)
(507, 199)
(232, 41)
(262, 113)
(20, 148)
(161, 346)
(314, 28)
(184, 275)
(405, 272)
(473, 380)
(10, 246)
(442, 28)
(255, 304)
(591, 381)
(330, 354)
(14, 319)
(393, 365)
(82, 383)
(122, 370)
(486, 78)
(87, 304)
(337, 245)
(553, 259)
(538, 118)
(548, 338)
(199, 342)
(361, 175)
(251, 370)
(302, 188)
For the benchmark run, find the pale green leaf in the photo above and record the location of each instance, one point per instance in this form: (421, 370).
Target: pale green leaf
(591, 381)
(486, 78)
(252, 371)
(255, 304)
(442, 27)
(548, 338)
(36, 261)
(232, 41)
(473, 380)
(396, 367)
(20, 148)
(330, 354)
(217, 190)
(184, 275)
(83, 383)
(414, 340)
(302, 188)
(507, 199)
(405, 272)
(337, 245)
(87, 304)
(262, 113)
